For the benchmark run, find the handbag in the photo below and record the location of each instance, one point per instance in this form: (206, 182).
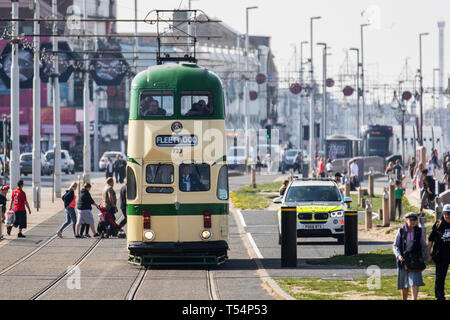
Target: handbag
(414, 262)
(10, 217)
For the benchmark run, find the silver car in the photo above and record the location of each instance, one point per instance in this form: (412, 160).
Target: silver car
(67, 163)
(109, 155)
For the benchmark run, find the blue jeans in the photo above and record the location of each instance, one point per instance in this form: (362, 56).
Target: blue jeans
(71, 216)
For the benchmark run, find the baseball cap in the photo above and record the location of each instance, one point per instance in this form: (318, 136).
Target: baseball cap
(446, 209)
(411, 215)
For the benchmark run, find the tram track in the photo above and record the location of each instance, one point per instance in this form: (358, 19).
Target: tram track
(212, 286)
(131, 295)
(66, 273)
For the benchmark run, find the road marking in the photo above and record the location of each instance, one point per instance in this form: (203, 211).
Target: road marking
(241, 218)
(255, 247)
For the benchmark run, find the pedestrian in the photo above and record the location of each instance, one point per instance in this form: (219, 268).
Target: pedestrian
(122, 169)
(3, 192)
(439, 240)
(389, 171)
(109, 198)
(354, 173)
(109, 169)
(431, 168)
(258, 162)
(429, 187)
(298, 162)
(446, 178)
(123, 203)
(268, 162)
(399, 192)
(412, 167)
(18, 204)
(284, 187)
(116, 167)
(84, 206)
(338, 178)
(398, 170)
(69, 199)
(321, 167)
(418, 179)
(409, 247)
(329, 168)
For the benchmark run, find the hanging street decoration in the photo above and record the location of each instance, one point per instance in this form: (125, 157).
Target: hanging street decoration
(348, 91)
(295, 88)
(253, 95)
(66, 60)
(260, 78)
(329, 82)
(26, 73)
(406, 95)
(108, 69)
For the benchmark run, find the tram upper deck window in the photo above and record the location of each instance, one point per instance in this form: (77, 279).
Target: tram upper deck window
(194, 177)
(196, 104)
(156, 103)
(159, 173)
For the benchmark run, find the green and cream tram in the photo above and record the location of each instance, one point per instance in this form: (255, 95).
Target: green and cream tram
(177, 176)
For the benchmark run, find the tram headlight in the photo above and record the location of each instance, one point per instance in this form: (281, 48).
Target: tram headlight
(206, 235)
(149, 235)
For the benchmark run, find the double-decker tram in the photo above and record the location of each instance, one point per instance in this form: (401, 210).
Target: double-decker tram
(177, 175)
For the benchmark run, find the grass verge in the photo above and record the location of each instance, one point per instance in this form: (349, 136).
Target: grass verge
(363, 288)
(254, 198)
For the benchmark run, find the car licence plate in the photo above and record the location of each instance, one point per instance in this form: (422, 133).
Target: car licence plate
(313, 226)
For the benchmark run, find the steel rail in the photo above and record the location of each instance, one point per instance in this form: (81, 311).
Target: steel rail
(131, 295)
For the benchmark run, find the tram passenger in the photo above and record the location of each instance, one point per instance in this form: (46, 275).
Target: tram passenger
(189, 181)
(145, 106)
(155, 110)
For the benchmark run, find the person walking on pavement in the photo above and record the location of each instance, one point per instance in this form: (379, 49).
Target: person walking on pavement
(428, 190)
(399, 192)
(84, 206)
(109, 198)
(3, 192)
(409, 245)
(69, 199)
(431, 168)
(122, 167)
(439, 251)
(446, 178)
(109, 169)
(18, 204)
(298, 162)
(398, 170)
(412, 167)
(116, 166)
(354, 173)
(123, 203)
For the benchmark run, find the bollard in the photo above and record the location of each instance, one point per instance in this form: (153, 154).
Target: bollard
(386, 221)
(347, 189)
(289, 237)
(350, 233)
(392, 202)
(368, 214)
(360, 197)
(252, 177)
(371, 185)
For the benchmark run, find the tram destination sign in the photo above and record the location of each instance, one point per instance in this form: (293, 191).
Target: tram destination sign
(176, 140)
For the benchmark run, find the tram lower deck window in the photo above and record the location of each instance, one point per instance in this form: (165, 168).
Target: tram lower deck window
(194, 177)
(156, 103)
(159, 173)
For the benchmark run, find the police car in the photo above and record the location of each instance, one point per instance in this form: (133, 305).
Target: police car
(319, 207)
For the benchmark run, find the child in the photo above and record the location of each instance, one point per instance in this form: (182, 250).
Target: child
(399, 192)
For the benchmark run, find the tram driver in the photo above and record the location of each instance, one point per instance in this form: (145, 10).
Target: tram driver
(189, 181)
(150, 107)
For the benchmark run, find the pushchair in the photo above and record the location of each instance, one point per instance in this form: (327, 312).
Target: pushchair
(107, 226)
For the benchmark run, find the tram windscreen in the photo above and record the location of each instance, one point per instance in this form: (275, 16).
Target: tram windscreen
(196, 104)
(194, 177)
(377, 146)
(156, 103)
(159, 173)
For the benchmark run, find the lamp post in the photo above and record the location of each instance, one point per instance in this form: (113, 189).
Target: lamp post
(300, 131)
(434, 92)
(312, 104)
(324, 92)
(358, 124)
(421, 90)
(362, 73)
(245, 81)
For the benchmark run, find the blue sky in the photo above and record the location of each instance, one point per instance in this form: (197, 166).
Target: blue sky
(287, 22)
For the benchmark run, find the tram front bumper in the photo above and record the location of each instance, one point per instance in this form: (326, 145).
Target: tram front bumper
(208, 252)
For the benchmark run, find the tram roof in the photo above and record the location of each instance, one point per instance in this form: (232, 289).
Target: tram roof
(343, 137)
(183, 76)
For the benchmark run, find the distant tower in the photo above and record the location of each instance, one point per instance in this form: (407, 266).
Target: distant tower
(441, 26)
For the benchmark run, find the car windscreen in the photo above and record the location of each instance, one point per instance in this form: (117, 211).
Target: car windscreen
(291, 153)
(27, 157)
(313, 193)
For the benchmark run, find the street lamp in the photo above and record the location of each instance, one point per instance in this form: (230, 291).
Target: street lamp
(245, 80)
(324, 91)
(358, 125)
(362, 71)
(300, 131)
(312, 104)
(421, 89)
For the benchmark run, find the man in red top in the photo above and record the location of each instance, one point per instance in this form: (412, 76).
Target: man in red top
(19, 201)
